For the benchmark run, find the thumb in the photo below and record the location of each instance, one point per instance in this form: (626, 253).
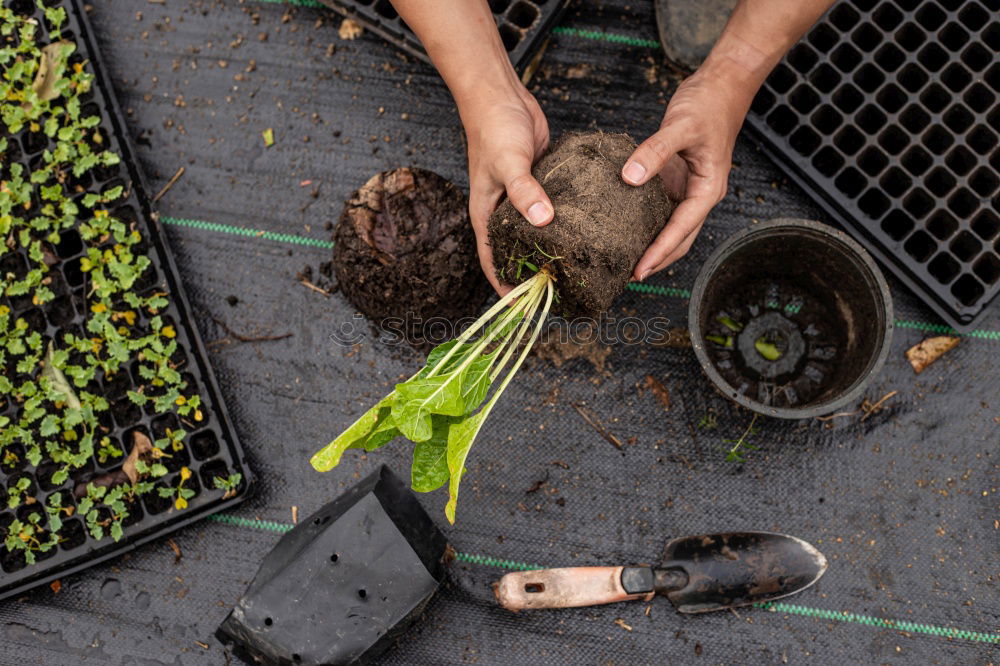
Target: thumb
(650, 157)
(525, 192)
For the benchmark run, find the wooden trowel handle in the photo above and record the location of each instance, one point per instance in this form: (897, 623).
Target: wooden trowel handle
(563, 588)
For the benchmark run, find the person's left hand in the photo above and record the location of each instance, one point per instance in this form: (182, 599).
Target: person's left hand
(692, 152)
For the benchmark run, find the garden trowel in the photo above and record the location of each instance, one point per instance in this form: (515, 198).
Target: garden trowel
(698, 574)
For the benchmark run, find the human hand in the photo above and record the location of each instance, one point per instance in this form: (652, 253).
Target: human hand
(692, 152)
(507, 133)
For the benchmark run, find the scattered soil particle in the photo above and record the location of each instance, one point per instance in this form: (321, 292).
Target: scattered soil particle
(404, 249)
(678, 337)
(927, 351)
(659, 391)
(601, 228)
(350, 29)
(557, 352)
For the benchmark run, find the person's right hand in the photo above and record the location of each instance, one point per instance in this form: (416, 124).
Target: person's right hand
(506, 135)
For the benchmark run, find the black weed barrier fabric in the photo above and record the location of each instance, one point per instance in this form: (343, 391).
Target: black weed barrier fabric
(903, 504)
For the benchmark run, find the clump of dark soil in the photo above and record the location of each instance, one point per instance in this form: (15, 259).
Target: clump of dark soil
(404, 251)
(602, 225)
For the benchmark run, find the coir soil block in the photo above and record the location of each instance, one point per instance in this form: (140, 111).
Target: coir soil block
(405, 255)
(101, 357)
(602, 226)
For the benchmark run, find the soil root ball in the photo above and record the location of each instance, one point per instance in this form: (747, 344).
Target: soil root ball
(602, 225)
(404, 249)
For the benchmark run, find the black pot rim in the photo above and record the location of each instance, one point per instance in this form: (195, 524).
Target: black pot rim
(767, 228)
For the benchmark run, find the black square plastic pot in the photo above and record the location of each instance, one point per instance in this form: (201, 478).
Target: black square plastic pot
(345, 583)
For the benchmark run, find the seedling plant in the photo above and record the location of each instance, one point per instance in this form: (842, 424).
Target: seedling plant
(442, 408)
(51, 405)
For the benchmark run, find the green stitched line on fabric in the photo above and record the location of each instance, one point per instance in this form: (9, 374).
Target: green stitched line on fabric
(948, 330)
(269, 525)
(643, 288)
(774, 607)
(901, 625)
(488, 561)
(243, 231)
(673, 292)
(606, 37)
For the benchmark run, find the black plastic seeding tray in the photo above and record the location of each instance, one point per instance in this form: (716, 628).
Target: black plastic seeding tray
(211, 447)
(523, 24)
(887, 114)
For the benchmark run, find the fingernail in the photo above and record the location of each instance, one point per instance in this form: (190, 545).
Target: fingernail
(633, 172)
(644, 275)
(537, 213)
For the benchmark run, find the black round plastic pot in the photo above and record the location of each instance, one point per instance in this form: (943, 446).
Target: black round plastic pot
(832, 275)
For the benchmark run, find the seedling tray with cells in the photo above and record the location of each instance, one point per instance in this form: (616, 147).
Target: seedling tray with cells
(887, 113)
(523, 24)
(112, 428)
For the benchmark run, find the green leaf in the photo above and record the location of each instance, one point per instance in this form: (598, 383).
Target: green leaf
(357, 435)
(476, 382)
(49, 426)
(461, 435)
(429, 470)
(420, 397)
(767, 349)
(729, 323)
(726, 341)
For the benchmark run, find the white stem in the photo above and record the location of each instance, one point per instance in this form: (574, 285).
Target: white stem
(536, 300)
(524, 353)
(482, 321)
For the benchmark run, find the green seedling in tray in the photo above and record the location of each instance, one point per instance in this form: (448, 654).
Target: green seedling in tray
(52, 383)
(442, 408)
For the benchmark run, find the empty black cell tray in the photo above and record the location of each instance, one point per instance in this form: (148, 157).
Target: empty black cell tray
(523, 24)
(888, 114)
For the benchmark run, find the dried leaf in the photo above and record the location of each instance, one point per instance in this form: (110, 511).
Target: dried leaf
(56, 585)
(59, 381)
(268, 135)
(660, 392)
(141, 446)
(926, 352)
(350, 29)
(52, 62)
(177, 550)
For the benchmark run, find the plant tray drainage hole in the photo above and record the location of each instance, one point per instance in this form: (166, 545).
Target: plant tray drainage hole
(967, 290)
(986, 224)
(942, 224)
(916, 160)
(987, 268)
(522, 15)
(510, 36)
(776, 343)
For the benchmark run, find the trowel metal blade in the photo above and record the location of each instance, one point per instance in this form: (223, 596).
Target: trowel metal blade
(740, 569)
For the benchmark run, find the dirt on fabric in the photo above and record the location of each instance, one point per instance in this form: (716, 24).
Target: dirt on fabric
(404, 249)
(601, 227)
